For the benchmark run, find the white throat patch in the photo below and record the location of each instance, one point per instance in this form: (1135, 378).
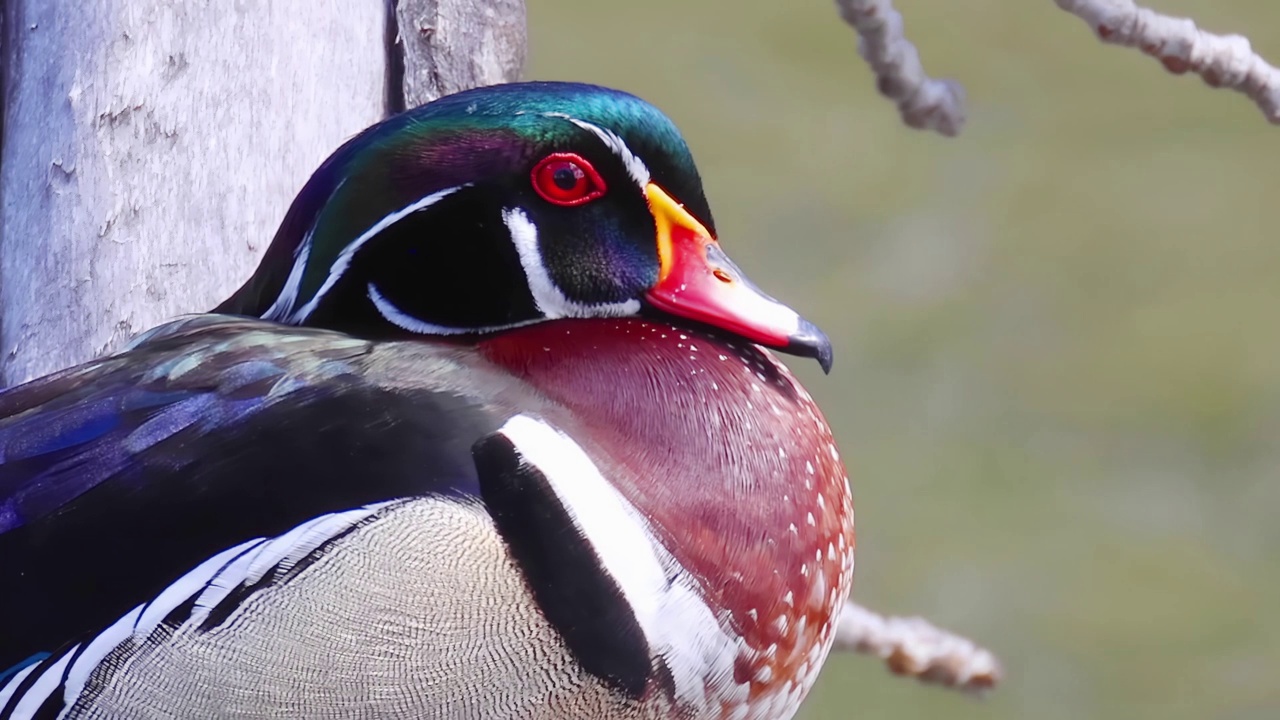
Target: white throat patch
(548, 296)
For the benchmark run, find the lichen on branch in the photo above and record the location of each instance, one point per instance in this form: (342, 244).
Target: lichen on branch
(916, 648)
(1223, 61)
(925, 103)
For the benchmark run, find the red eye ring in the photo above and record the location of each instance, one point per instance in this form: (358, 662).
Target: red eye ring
(567, 179)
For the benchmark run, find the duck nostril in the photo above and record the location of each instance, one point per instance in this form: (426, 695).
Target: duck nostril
(722, 276)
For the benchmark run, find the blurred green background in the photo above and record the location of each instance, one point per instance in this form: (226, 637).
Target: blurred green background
(1057, 374)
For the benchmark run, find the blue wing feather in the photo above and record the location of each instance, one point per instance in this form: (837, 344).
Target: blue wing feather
(120, 475)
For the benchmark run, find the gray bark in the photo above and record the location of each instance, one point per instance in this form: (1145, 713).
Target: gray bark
(450, 46)
(150, 147)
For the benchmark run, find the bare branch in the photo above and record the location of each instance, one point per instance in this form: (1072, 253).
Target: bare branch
(916, 648)
(1221, 60)
(925, 103)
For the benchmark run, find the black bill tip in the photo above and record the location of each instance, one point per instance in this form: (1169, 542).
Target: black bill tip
(808, 341)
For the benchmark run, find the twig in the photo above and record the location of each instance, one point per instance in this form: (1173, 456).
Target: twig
(916, 648)
(1221, 60)
(925, 103)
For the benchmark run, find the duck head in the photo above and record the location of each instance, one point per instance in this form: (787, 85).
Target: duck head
(505, 206)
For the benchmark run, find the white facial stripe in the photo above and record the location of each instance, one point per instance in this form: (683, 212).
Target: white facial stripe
(283, 308)
(403, 320)
(547, 296)
(286, 313)
(635, 166)
(676, 621)
(289, 293)
(551, 302)
(209, 583)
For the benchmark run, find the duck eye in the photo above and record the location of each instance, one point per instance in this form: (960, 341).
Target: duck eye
(567, 179)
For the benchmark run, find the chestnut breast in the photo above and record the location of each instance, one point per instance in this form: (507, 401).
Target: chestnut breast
(729, 458)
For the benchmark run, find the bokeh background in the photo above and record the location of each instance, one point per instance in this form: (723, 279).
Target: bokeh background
(1057, 371)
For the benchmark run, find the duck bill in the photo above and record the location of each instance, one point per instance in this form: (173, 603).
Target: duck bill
(697, 281)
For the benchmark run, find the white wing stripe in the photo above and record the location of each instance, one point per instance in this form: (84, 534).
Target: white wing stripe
(86, 660)
(179, 592)
(228, 578)
(209, 583)
(285, 551)
(41, 689)
(11, 686)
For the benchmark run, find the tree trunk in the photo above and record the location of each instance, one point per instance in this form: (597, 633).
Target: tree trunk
(452, 45)
(150, 147)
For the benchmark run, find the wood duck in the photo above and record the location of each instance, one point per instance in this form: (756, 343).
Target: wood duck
(490, 433)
